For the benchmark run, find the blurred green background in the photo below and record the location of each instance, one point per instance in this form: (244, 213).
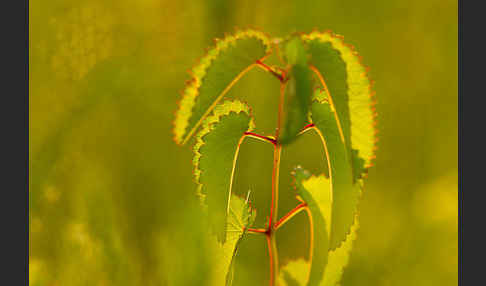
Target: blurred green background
(112, 196)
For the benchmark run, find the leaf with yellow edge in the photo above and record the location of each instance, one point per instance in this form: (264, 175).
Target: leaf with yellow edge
(241, 216)
(348, 88)
(296, 272)
(339, 258)
(315, 192)
(345, 193)
(215, 155)
(215, 74)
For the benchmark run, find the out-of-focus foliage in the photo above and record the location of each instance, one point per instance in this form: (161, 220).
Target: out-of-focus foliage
(111, 195)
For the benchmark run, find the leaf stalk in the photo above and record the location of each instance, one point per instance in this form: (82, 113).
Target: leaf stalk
(290, 215)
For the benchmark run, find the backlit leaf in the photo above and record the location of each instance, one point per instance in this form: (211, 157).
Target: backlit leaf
(345, 193)
(315, 192)
(296, 272)
(348, 88)
(339, 258)
(240, 217)
(215, 74)
(215, 154)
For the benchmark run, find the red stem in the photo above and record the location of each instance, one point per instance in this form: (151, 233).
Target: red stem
(270, 254)
(271, 70)
(290, 214)
(310, 125)
(275, 175)
(257, 230)
(271, 140)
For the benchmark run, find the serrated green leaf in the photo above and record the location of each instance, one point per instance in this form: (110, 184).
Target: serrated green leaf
(349, 92)
(216, 72)
(298, 91)
(345, 193)
(296, 272)
(339, 258)
(215, 154)
(315, 192)
(241, 216)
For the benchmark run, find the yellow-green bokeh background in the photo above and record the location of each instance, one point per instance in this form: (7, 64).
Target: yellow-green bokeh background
(112, 197)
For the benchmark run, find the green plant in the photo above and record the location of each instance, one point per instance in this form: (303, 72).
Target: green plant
(324, 88)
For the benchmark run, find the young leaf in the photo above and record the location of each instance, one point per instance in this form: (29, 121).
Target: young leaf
(241, 216)
(345, 193)
(296, 272)
(296, 52)
(348, 88)
(315, 192)
(215, 74)
(298, 91)
(215, 154)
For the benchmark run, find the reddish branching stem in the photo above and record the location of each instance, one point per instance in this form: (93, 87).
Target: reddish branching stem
(310, 125)
(275, 181)
(280, 222)
(273, 223)
(271, 254)
(289, 215)
(271, 70)
(257, 230)
(263, 137)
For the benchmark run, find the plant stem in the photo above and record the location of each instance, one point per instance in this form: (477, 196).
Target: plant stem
(257, 230)
(275, 179)
(261, 137)
(276, 157)
(270, 234)
(270, 70)
(272, 251)
(290, 215)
